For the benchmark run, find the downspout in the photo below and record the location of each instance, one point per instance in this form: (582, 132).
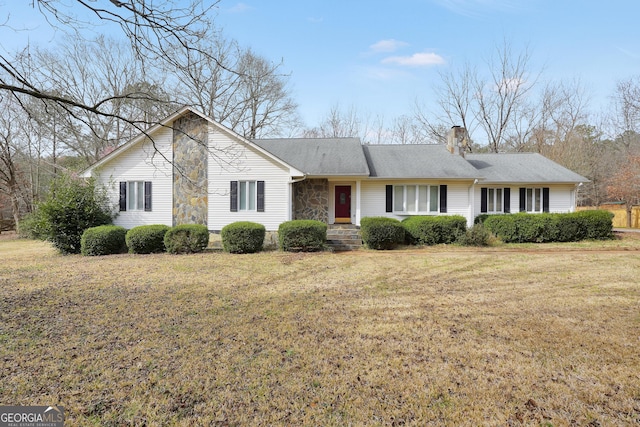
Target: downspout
(291, 201)
(472, 203)
(574, 205)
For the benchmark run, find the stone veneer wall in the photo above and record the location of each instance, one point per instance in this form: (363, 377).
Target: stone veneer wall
(311, 200)
(190, 183)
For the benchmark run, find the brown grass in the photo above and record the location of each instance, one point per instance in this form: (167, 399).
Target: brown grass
(515, 335)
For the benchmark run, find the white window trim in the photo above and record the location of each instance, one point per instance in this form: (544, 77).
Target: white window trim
(540, 201)
(431, 210)
(495, 200)
(244, 196)
(133, 194)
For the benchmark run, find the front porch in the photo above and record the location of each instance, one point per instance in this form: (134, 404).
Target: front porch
(326, 201)
(344, 237)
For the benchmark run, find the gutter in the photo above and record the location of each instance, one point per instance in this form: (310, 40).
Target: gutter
(293, 181)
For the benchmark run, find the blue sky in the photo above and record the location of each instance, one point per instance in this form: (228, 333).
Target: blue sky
(382, 56)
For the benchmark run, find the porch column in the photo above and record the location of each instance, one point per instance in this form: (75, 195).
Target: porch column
(358, 211)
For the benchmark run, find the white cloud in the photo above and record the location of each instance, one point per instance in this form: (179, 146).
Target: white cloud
(423, 59)
(389, 45)
(510, 85)
(240, 8)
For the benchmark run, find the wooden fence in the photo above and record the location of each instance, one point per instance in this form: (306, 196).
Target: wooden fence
(620, 214)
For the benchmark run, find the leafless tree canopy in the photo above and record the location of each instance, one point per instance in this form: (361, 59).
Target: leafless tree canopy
(152, 29)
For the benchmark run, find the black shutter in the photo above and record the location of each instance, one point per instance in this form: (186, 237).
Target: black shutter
(147, 196)
(389, 198)
(260, 196)
(545, 199)
(507, 200)
(123, 196)
(523, 199)
(483, 200)
(234, 196)
(443, 198)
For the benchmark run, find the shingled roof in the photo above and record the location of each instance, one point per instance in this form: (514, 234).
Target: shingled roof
(417, 161)
(348, 157)
(319, 156)
(522, 168)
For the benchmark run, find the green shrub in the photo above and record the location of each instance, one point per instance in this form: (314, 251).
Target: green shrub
(503, 226)
(480, 218)
(597, 224)
(551, 227)
(33, 226)
(72, 206)
(243, 237)
(186, 238)
(381, 232)
(302, 235)
(146, 239)
(103, 240)
(433, 230)
(478, 235)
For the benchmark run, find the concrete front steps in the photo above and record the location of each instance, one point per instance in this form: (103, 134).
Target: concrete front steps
(343, 237)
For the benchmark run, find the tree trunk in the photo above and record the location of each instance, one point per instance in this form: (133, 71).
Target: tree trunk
(629, 213)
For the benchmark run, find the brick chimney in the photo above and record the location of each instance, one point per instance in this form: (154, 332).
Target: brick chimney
(458, 140)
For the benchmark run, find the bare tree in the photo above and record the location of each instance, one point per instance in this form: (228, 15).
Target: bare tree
(487, 101)
(455, 100)
(625, 115)
(153, 29)
(502, 95)
(338, 124)
(12, 182)
(263, 103)
(624, 185)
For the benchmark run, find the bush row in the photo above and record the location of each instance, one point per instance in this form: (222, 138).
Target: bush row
(144, 239)
(377, 233)
(550, 227)
(238, 237)
(386, 233)
(433, 230)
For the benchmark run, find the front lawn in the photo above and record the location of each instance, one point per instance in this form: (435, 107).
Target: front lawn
(514, 335)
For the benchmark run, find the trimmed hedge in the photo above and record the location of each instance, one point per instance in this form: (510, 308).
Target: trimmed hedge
(434, 230)
(186, 238)
(146, 239)
(551, 227)
(103, 240)
(302, 235)
(381, 233)
(243, 237)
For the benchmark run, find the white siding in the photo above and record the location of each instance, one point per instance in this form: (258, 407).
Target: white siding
(143, 162)
(561, 197)
(230, 160)
(373, 198)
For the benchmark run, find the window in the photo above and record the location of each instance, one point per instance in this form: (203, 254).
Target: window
(415, 198)
(135, 196)
(495, 200)
(534, 199)
(247, 196)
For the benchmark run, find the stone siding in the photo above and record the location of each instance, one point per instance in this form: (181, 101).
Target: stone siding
(190, 183)
(311, 200)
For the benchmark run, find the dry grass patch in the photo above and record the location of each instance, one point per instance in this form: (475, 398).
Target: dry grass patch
(440, 336)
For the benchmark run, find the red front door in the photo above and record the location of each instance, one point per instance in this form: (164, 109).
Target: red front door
(343, 203)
